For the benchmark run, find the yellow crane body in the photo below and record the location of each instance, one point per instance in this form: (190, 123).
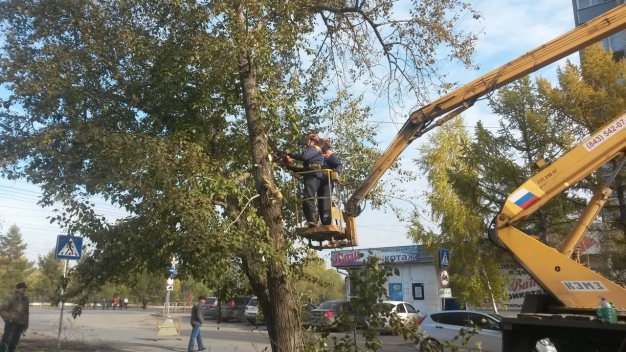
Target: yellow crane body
(572, 284)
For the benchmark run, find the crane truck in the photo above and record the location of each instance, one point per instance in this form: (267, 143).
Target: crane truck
(567, 311)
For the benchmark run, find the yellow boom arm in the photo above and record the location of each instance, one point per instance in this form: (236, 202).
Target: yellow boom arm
(566, 280)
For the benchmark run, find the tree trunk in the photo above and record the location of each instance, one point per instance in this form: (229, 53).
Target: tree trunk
(282, 321)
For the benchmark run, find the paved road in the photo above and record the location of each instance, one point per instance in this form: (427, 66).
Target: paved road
(134, 329)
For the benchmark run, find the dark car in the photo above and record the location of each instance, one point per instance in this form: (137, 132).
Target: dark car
(305, 313)
(235, 309)
(328, 312)
(211, 307)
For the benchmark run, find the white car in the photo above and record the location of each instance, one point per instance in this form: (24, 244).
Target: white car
(251, 311)
(405, 311)
(444, 326)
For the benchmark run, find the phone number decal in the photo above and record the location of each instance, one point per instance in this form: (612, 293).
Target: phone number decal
(608, 132)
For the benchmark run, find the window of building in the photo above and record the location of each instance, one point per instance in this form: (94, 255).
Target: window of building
(418, 291)
(615, 43)
(588, 3)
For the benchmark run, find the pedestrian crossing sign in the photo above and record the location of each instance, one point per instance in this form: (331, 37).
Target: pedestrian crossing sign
(444, 258)
(69, 247)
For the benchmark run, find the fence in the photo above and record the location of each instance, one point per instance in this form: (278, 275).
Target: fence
(178, 307)
(42, 301)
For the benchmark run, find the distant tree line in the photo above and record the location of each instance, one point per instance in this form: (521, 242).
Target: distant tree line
(43, 277)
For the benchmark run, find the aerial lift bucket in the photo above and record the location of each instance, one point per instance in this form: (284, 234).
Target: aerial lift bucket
(340, 233)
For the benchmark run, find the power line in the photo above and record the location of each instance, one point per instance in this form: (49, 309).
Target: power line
(42, 210)
(460, 20)
(29, 193)
(34, 228)
(374, 228)
(98, 212)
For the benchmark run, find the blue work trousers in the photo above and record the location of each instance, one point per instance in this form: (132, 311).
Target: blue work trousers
(196, 334)
(311, 185)
(324, 193)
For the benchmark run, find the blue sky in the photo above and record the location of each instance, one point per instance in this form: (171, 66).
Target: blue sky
(508, 30)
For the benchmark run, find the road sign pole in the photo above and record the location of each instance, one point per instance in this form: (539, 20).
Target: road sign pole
(67, 248)
(169, 287)
(166, 308)
(62, 305)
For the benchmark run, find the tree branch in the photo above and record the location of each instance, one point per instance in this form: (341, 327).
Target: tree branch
(392, 60)
(134, 101)
(265, 19)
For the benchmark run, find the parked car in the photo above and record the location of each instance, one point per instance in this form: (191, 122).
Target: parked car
(235, 309)
(251, 311)
(405, 311)
(306, 313)
(211, 307)
(444, 326)
(327, 313)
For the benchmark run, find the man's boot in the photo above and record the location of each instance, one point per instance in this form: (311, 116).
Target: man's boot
(311, 219)
(326, 219)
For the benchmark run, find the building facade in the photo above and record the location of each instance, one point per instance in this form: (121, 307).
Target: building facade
(418, 282)
(585, 10)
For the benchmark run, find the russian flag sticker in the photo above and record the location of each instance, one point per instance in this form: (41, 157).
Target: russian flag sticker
(524, 198)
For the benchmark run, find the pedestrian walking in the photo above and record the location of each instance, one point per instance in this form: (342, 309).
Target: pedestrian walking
(197, 318)
(104, 303)
(14, 312)
(126, 303)
(114, 303)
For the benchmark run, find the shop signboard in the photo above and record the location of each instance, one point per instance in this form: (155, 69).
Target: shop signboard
(520, 285)
(356, 257)
(445, 293)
